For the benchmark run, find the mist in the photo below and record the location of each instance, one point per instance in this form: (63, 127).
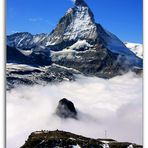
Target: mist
(113, 105)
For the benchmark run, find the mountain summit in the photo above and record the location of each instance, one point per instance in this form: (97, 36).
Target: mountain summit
(77, 23)
(80, 3)
(77, 43)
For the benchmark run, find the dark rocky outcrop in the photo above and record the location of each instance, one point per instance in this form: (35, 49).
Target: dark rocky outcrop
(15, 56)
(61, 139)
(38, 56)
(66, 109)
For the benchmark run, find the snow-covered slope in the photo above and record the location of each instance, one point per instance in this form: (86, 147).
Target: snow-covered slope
(23, 74)
(25, 40)
(135, 48)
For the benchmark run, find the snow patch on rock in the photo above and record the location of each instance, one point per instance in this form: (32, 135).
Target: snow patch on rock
(76, 146)
(130, 146)
(80, 44)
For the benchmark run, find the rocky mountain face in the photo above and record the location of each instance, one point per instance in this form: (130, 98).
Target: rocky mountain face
(26, 41)
(61, 139)
(77, 24)
(77, 43)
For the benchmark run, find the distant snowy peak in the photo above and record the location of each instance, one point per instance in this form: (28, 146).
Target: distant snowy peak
(25, 40)
(135, 48)
(17, 39)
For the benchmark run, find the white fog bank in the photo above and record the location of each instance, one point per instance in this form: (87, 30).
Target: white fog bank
(113, 105)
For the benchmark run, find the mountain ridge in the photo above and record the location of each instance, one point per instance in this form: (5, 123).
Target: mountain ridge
(69, 140)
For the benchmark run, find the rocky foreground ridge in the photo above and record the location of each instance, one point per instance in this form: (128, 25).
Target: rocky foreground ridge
(61, 139)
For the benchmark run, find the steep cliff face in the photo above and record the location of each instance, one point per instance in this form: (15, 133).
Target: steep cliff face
(77, 24)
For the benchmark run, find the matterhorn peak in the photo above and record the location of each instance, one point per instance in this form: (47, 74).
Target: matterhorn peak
(80, 3)
(78, 45)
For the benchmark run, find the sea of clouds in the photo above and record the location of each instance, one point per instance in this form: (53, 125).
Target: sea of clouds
(113, 105)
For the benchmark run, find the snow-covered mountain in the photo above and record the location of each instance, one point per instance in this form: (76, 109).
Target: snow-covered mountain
(25, 40)
(136, 48)
(77, 43)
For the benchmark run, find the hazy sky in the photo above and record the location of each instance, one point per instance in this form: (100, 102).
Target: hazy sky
(122, 17)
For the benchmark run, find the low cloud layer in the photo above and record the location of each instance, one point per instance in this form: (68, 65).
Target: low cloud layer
(113, 105)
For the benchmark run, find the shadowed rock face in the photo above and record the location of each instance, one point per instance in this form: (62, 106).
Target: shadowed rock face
(66, 109)
(37, 57)
(15, 56)
(61, 139)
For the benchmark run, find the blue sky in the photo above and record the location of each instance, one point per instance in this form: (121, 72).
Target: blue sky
(121, 17)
